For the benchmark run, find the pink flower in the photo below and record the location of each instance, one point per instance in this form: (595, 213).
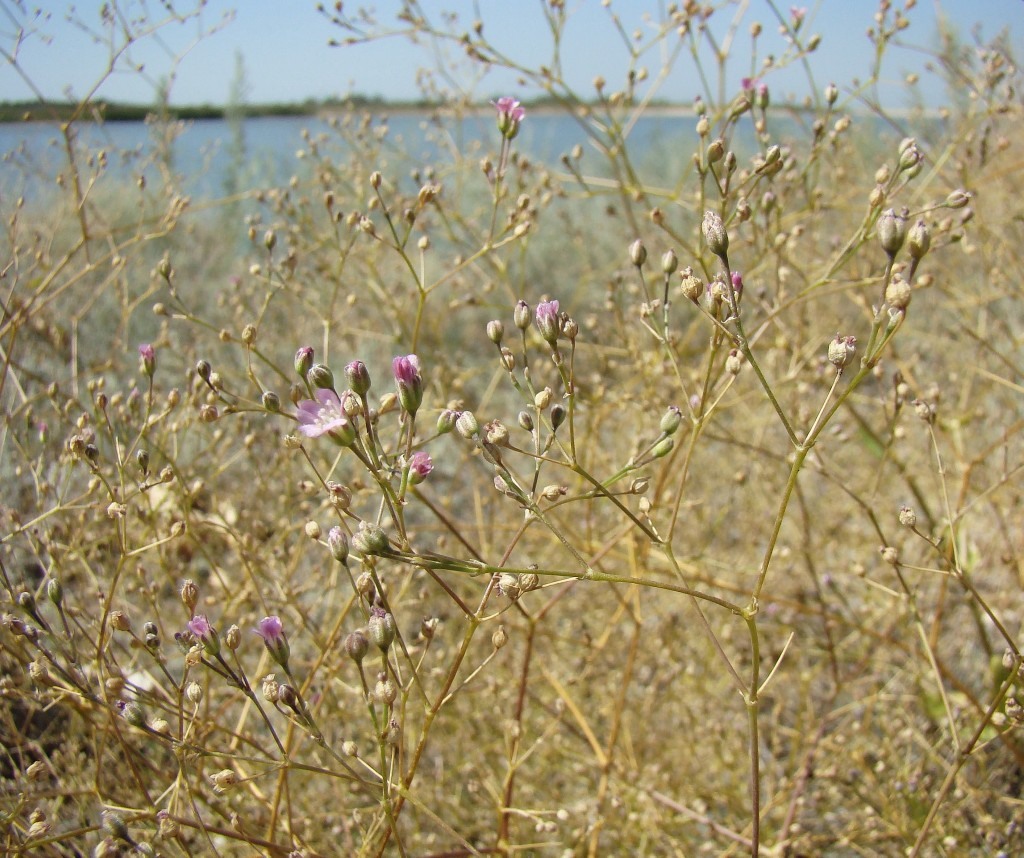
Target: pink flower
(420, 465)
(510, 114)
(271, 629)
(796, 15)
(323, 415)
(547, 320)
(509, 107)
(737, 283)
(200, 626)
(205, 633)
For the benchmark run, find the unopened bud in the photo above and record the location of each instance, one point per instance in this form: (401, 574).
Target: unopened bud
(381, 628)
(715, 234)
(919, 239)
(637, 253)
(356, 646)
(669, 262)
(467, 426)
(671, 420)
(892, 231)
(189, 594)
(495, 331)
(337, 542)
(521, 315)
(957, 199)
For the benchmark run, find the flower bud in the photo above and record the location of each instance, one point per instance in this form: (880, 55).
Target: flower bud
(716, 150)
(119, 621)
(910, 155)
(337, 542)
(671, 420)
(189, 594)
(521, 315)
(733, 363)
(715, 234)
(637, 253)
(495, 331)
(919, 239)
(147, 359)
(669, 262)
(304, 361)
(385, 691)
(55, 592)
(320, 377)
(892, 231)
(467, 426)
(558, 415)
(271, 401)
(831, 94)
(525, 420)
(957, 199)
(381, 628)
(409, 382)
(663, 448)
(356, 645)
(358, 377)
(370, 540)
(446, 421)
(547, 321)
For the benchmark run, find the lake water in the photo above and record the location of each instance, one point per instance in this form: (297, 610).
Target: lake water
(204, 158)
(203, 153)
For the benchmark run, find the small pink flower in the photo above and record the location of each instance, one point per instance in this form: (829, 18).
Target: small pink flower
(200, 626)
(420, 466)
(271, 629)
(547, 320)
(510, 108)
(737, 283)
(205, 633)
(322, 415)
(510, 114)
(797, 15)
(747, 84)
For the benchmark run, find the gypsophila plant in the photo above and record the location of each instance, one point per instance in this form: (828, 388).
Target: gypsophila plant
(622, 504)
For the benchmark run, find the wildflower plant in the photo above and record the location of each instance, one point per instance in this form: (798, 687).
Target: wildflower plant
(686, 521)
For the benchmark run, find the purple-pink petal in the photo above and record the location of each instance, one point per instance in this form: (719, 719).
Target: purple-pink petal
(271, 629)
(200, 626)
(322, 415)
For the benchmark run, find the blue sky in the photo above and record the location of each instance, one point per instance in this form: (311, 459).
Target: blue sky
(284, 44)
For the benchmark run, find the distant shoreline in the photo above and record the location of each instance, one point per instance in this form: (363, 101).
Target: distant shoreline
(17, 112)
